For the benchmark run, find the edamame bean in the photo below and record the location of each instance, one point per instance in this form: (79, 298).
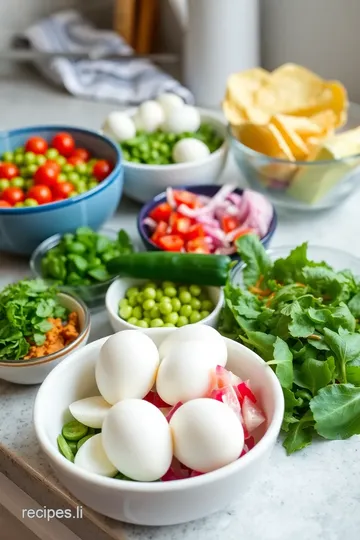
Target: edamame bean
(64, 448)
(83, 440)
(73, 446)
(74, 431)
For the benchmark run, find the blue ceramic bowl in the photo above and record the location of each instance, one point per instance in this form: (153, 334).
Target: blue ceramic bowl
(23, 229)
(208, 191)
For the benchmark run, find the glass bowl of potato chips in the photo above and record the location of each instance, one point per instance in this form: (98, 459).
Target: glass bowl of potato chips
(294, 136)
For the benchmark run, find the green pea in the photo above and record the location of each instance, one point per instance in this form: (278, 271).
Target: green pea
(29, 158)
(147, 320)
(62, 177)
(92, 185)
(83, 440)
(170, 292)
(150, 293)
(73, 177)
(185, 297)
(73, 194)
(31, 170)
(195, 290)
(81, 168)
(195, 317)
(195, 304)
(172, 318)
(4, 183)
(30, 202)
(19, 205)
(73, 446)
(61, 160)
(19, 150)
(169, 325)
(207, 305)
(165, 307)
(133, 301)
(186, 310)
(132, 291)
(150, 285)
(166, 299)
(147, 314)
(51, 153)
(19, 159)
(133, 321)
(182, 321)
(204, 314)
(148, 304)
(77, 247)
(140, 298)
(68, 168)
(18, 182)
(8, 156)
(40, 160)
(64, 448)
(156, 323)
(158, 295)
(125, 312)
(176, 304)
(142, 324)
(74, 431)
(123, 302)
(137, 312)
(155, 313)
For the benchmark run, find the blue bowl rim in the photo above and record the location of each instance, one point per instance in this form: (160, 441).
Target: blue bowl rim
(145, 209)
(82, 196)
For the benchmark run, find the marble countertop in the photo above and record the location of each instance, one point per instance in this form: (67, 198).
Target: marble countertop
(311, 495)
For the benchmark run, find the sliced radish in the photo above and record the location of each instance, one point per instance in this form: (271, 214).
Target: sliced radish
(243, 390)
(173, 411)
(252, 415)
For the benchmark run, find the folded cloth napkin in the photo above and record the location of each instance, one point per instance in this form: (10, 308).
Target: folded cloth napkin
(127, 82)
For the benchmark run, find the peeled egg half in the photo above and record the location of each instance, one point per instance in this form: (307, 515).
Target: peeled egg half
(127, 366)
(170, 101)
(186, 118)
(151, 115)
(185, 373)
(188, 150)
(207, 435)
(137, 440)
(119, 126)
(197, 332)
(92, 457)
(90, 411)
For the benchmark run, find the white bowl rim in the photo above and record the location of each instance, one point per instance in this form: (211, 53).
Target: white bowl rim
(214, 313)
(114, 484)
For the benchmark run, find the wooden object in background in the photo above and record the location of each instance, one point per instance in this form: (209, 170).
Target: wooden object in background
(125, 20)
(147, 15)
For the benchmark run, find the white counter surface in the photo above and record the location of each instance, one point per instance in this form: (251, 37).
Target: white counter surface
(311, 495)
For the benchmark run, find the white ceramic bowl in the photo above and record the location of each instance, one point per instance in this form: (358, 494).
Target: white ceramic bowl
(143, 182)
(117, 291)
(156, 503)
(35, 371)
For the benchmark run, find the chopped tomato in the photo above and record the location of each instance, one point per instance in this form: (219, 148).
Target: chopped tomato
(161, 212)
(229, 223)
(13, 195)
(4, 204)
(171, 242)
(181, 226)
(196, 231)
(186, 197)
(8, 170)
(38, 145)
(160, 230)
(243, 232)
(198, 245)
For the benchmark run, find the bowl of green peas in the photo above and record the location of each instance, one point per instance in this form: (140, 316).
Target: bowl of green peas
(135, 303)
(149, 167)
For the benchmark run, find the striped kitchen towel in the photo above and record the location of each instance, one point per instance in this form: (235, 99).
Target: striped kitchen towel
(127, 82)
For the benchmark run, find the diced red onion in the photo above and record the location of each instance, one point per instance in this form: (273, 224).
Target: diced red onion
(220, 196)
(170, 197)
(225, 251)
(149, 222)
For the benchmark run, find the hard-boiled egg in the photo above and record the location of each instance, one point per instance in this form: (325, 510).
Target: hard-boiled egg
(186, 118)
(188, 150)
(151, 115)
(92, 457)
(90, 411)
(119, 126)
(207, 435)
(138, 121)
(169, 101)
(137, 440)
(185, 373)
(198, 332)
(126, 367)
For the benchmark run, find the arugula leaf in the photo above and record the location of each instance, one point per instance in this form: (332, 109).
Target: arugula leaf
(242, 302)
(253, 253)
(336, 411)
(264, 343)
(338, 346)
(323, 280)
(354, 305)
(300, 434)
(315, 374)
(289, 269)
(301, 325)
(283, 362)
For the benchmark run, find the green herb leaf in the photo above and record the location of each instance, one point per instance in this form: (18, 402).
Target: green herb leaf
(315, 374)
(290, 269)
(283, 362)
(263, 343)
(254, 255)
(354, 305)
(39, 339)
(124, 242)
(300, 434)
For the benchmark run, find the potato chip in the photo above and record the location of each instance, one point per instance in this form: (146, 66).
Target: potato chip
(264, 139)
(296, 144)
(234, 115)
(242, 87)
(334, 98)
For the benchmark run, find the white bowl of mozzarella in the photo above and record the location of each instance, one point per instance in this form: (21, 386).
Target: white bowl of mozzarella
(141, 440)
(142, 181)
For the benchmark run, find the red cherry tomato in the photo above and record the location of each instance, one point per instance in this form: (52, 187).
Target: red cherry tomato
(46, 175)
(102, 169)
(62, 190)
(13, 195)
(229, 223)
(171, 242)
(4, 204)
(38, 145)
(54, 165)
(8, 170)
(81, 153)
(64, 143)
(75, 160)
(161, 212)
(41, 193)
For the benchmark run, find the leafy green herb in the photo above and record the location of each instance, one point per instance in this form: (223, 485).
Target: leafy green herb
(302, 317)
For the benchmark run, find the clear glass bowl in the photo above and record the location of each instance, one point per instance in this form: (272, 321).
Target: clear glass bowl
(92, 295)
(300, 185)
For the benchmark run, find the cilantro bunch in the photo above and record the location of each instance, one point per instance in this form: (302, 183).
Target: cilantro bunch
(302, 318)
(25, 308)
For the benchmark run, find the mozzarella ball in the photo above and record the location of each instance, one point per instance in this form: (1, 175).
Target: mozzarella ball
(151, 115)
(119, 126)
(186, 372)
(127, 366)
(169, 102)
(185, 118)
(207, 435)
(92, 457)
(137, 440)
(198, 332)
(90, 411)
(188, 150)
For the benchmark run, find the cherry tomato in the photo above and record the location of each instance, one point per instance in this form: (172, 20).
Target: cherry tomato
(46, 175)
(54, 165)
(8, 170)
(196, 231)
(198, 245)
(13, 195)
(81, 153)
(186, 197)
(62, 190)
(162, 212)
(160, 230)
(229, 223)
(75, 160)
(102, 169)
(64, 143)
(171, 242)
(41, 193)
(38, 145)
(4, 204)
